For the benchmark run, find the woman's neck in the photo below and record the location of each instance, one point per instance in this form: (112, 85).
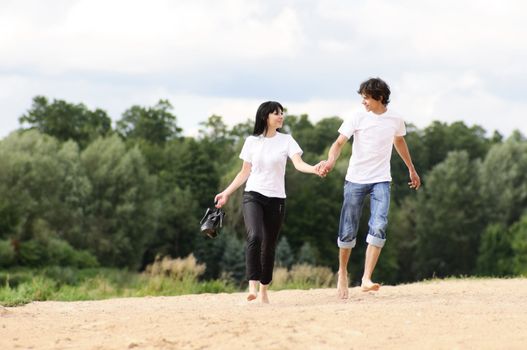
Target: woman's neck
(269, 133)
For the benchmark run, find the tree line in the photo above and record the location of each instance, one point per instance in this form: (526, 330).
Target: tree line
(77, 191)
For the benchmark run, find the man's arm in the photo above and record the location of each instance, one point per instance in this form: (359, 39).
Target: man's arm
(334, 153)
(402, 148)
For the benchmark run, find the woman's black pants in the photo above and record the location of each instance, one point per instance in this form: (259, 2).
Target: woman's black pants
(263, 218)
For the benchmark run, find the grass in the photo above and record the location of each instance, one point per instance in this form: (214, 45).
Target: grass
(165, 277)
(22, 286)
(302, 276)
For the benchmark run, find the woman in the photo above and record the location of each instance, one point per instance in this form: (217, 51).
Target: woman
(264, 156)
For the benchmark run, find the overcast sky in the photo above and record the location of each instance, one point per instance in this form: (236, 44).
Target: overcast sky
(444, 60)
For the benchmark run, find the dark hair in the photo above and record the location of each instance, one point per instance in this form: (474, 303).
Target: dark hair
(377, 89)
(266, 108)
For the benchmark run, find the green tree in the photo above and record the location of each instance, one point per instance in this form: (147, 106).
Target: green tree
(441, 138)
(38, 181)
(177, 226)
(43, 191)
(449, 218)
(121, 210)
(399, 171)
(67, 121)
(307, 254)
(519, 245)
(217, 141)
(300, 127)
(504, 181)
(154, 124)
(232, 263)
(495, 256)
(284, 255)
(402, 237)
(318, 139)
(240, 131)
(210, 252)
(7, 253)
(188, 164)
(312, 211)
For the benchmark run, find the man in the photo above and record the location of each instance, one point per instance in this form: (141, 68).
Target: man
(374, 132)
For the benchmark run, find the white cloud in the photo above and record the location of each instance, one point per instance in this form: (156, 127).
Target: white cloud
(449, 32)
(448, 98)
(147, 36)
(446, 60)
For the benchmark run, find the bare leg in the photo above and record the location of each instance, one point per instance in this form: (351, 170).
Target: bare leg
(253, 290)
(372, 255)
(342, 282)
(262, 297)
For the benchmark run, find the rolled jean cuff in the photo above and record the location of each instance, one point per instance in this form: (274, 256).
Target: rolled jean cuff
(346, 245)
(376, 241)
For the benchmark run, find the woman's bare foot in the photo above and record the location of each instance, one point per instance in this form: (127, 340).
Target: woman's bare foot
(253, 290)
(342, 285)
(262, 297)
(369, 286)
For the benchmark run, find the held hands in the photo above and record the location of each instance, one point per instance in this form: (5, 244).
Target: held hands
(323, 168)
(318, 168)
(221, 199)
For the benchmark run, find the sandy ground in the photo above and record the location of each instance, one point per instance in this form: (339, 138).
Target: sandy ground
(449, 314)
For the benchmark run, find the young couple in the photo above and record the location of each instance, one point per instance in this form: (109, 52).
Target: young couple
(264, 156)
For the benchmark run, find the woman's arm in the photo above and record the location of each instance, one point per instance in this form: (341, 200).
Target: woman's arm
(302, 166)
(242, 176)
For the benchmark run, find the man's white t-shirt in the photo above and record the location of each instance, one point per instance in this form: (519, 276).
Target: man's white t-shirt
(268, 158)
(373, 136)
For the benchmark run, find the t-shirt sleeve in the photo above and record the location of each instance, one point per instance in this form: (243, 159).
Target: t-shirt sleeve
(401, 130)
(348, 127)
(246, 153)
(293, 148)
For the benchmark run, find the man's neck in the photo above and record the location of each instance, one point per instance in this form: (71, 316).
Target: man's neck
(380, 110)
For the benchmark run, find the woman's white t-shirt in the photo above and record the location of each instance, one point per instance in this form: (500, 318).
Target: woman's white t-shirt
(373, 136)
(268, 158)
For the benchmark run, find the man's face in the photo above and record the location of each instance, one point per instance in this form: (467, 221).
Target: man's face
(371, 104)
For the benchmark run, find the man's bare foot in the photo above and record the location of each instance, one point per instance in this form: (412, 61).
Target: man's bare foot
(369, 286)
(342, 285)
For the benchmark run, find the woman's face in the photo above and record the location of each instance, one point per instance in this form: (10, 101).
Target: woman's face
(275, 120)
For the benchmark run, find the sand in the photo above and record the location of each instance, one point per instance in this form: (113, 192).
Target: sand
(443, 314)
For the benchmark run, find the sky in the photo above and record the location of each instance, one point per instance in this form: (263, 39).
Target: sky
(444, 60)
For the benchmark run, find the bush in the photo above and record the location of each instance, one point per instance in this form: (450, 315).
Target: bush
(307, 254)
(318, 276)
(53, 252)
(61, 253)
(232, 262)
(496, 255)
(7, 254)
(284, 254)
(178, 269)
(302, 276)
(31, 253)
(280, 276)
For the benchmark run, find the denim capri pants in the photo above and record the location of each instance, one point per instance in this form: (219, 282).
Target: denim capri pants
(354, 195)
